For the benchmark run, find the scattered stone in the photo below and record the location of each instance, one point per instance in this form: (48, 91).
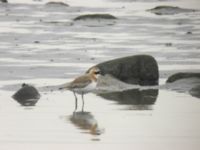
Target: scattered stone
(179, 23)
(185, 82)
(169, 10)
(11, 71)
(138, 69)
(57, 4)
(189, 32)
(168, 44)
(182, 75)
(94, 16)
(195, 91)
(71, 24)
(4, 1)
(184, 85)
(36, 42)
(27, 95)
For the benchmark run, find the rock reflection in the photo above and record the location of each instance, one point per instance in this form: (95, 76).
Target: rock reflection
(86, 121)
(135, 98)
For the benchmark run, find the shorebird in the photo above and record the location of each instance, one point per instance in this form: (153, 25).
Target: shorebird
(83, 84)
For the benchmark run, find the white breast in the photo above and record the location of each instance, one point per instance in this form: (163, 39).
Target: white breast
(90, 87)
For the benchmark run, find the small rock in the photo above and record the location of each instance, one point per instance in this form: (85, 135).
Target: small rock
(4, 1)
(189, 32)
(184, 85)
(36, 42)
(71, 24)
(57, 4)
(182, 75)
(27, 95)
(195, 91)
(168, 44)
(179, 23)
(95, 16)
(169, 10)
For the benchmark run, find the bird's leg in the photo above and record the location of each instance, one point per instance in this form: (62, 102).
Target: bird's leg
(75, 101)
(82, 95)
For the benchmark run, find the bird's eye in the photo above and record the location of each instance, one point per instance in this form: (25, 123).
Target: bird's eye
(97, 72)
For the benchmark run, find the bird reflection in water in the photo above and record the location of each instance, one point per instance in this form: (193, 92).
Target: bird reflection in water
(135, 99)
(86, 122)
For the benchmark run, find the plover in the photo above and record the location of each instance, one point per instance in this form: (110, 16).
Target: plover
(83, 84)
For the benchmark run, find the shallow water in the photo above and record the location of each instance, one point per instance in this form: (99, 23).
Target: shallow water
(171, 119)
(45, 47)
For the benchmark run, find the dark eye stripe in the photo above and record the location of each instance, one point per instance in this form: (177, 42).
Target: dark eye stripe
(98, 72)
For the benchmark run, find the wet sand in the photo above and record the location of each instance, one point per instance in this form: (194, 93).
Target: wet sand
(43, 46)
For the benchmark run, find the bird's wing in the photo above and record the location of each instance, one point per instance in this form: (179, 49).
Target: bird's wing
(80, 82)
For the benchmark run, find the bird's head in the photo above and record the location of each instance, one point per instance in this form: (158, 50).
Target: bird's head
(95, 71)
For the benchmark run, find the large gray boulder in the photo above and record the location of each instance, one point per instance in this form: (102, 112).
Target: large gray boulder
(137, 69)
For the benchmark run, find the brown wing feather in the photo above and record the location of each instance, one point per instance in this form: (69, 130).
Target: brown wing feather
(80, 82)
